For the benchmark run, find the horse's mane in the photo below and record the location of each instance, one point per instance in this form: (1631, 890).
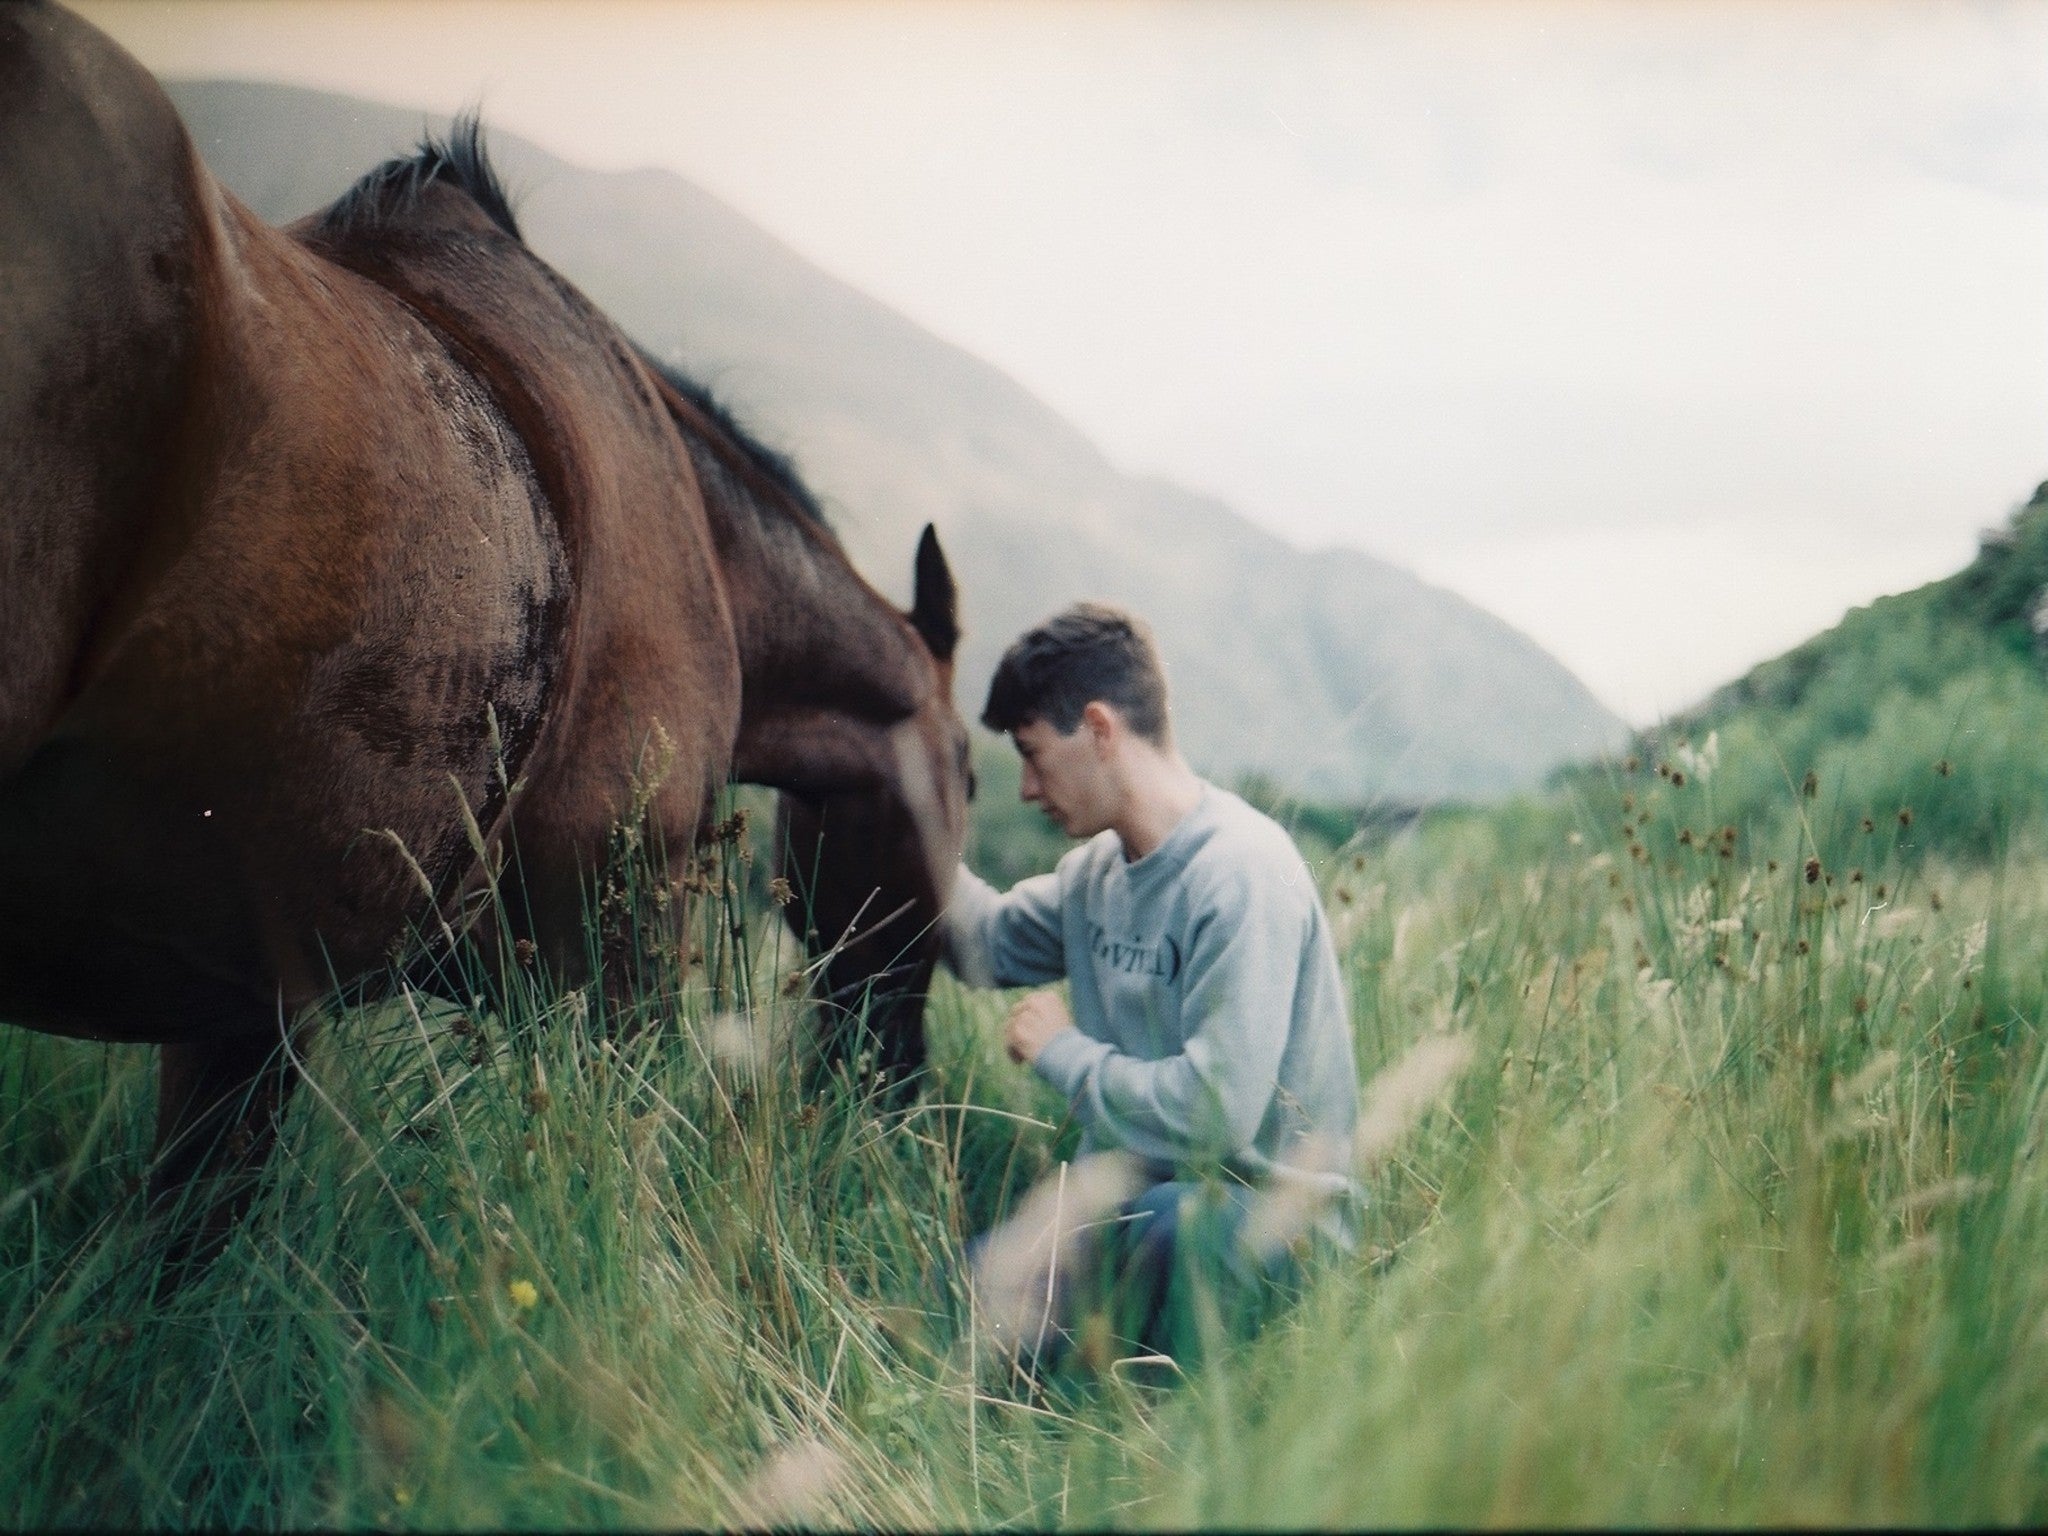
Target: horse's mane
(394, 187)
(461, 161)
(775, 467)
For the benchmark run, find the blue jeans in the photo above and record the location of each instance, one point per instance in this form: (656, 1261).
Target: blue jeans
(1171, 1270)
(1158, 1277)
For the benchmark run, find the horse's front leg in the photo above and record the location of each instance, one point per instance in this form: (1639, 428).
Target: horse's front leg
(218, 1103)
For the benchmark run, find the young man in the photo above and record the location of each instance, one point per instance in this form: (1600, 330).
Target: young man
(1208, 1037)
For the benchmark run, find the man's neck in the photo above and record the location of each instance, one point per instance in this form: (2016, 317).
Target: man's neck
(1160, 790)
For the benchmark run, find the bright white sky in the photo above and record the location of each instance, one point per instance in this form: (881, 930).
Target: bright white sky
(1665, 330)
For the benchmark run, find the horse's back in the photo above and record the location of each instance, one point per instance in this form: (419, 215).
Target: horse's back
(335, 595)
(648, 687)
(345, 569)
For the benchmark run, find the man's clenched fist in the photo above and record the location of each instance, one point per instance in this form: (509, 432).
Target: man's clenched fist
(1033, 1023)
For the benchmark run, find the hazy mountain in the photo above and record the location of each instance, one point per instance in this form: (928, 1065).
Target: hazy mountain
(1335, 673)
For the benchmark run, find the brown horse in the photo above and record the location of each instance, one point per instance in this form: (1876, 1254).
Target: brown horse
(315, 542)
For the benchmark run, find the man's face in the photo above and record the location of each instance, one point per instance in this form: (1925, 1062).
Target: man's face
(1065, 776)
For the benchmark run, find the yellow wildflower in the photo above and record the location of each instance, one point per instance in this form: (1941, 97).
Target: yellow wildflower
(523, 1295)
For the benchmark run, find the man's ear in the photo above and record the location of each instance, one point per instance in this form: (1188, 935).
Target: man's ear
(1100, 722)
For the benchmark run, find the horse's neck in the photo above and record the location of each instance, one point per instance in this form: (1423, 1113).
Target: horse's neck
(106, 226)
(827, 665)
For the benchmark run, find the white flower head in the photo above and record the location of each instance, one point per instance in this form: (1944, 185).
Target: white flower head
(1699, 762)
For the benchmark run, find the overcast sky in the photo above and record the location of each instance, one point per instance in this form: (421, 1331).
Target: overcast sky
(1667, 331)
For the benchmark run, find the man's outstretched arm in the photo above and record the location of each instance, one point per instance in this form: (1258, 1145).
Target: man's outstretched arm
(1004, 939)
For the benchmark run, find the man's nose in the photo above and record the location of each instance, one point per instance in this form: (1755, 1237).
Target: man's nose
(1027, 786)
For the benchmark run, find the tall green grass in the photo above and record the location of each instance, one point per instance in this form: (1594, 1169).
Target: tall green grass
(1735, 1217)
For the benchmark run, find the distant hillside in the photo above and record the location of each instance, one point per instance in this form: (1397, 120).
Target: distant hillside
(1996, 605)
(1921, 718)
(1332, 673)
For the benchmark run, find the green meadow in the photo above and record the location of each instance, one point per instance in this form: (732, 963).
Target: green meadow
(1703, 1093)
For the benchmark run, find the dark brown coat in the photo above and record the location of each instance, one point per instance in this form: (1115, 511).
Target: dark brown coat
(314, 540)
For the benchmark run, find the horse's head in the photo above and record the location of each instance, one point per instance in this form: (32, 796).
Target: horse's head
(871, 864)
(847, 708)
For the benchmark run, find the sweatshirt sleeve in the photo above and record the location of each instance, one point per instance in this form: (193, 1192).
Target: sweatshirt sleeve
(1009, 939)
(1243, 965)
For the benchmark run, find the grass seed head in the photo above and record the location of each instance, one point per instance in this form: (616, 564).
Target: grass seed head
(739, 1041)
(1395, 1101)
(1016, 1274)
(1293, 1199)
(1867, 1081)
(795, 1484)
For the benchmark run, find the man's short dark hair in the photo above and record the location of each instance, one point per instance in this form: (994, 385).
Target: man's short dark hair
(1090, 652)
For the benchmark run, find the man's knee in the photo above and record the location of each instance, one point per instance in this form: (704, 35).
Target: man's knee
(1149, 1224)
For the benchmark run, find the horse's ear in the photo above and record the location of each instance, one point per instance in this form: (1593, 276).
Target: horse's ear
(935, 609)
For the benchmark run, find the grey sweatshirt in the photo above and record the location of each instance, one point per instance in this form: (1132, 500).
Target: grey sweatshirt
(1212, 1024)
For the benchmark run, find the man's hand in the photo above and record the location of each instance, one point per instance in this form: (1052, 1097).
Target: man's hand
(1032, 1025)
